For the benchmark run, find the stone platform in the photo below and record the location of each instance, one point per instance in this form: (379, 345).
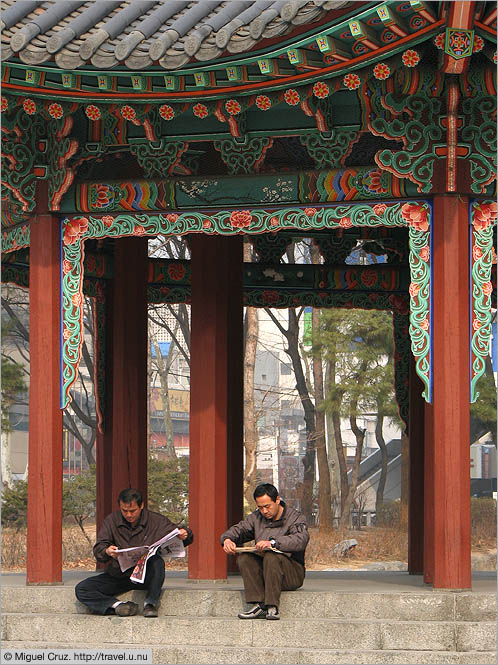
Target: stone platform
(337, 617)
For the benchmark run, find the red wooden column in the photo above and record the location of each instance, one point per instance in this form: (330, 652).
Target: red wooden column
(429, 494)
(129, 366)
(105, 502)
(416, 480)
(44, 539)
(213, 320)
(451, 423)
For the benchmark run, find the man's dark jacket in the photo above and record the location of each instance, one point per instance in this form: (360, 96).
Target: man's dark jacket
(290, 532)
(117, 531)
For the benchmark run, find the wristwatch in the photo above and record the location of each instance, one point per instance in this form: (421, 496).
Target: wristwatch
(273, 542)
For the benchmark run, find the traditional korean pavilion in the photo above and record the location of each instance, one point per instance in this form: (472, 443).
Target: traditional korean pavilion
(347, 122)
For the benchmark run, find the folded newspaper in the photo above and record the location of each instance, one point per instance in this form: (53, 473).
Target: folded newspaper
(171, 546)
(254, 550)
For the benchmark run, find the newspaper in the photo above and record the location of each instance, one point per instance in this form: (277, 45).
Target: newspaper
(252, 548)
(171, 546)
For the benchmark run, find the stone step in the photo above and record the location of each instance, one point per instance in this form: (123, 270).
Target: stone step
(406, 606)
(201, 655)
(311, 633)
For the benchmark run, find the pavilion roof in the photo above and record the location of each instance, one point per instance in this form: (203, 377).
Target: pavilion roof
(138, 34)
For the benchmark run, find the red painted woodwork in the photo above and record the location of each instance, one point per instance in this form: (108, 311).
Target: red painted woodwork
(44, 539)
(416, 471)
(451, 422)
(214, 285)
(105, 502)
(129, 363)
(428, 493)
(235, 396)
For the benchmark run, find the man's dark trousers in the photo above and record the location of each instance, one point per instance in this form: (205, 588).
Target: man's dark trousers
(98, 593)
(266, 575)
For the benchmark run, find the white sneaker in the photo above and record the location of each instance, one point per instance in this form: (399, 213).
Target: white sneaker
(272, 613)
(256, 612)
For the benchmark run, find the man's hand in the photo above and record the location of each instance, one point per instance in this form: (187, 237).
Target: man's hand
(183, 534)
(263, 545)
(229, 546)
(111, 551)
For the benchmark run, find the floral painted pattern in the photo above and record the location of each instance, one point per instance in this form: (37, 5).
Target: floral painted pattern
(291, 96)
(440, 40)
(425, 253)
(352, 81)
(240, 218)
(321, 90)
(200, 111)
(92, 112)
(4, 104)
(55, 111)
(102, 196)
(74, 229)
(166, 112)
(484, 215)
(379, 208)
(369, 278)
(309, 212)
(233, 107)
(345, 222)
(410, 58)
(176, 271)
(128, 113)
(478, 44)
(29, 106)
(263, 102)
(270, 297)
(381, 71)
(107, 220)
(139, 230)
(415, 216)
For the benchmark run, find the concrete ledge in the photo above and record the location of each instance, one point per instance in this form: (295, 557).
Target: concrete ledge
(284, 656)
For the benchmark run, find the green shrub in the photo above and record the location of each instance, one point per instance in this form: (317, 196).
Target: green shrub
(15, 505)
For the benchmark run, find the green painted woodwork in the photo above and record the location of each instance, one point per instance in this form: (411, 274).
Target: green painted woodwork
(483, 221)
(243, 157)
(479, 131)
(415, 215)
(158, 158)
(330, 152)
(15, 238)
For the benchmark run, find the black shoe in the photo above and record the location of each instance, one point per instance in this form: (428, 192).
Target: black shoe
(256, 612)
(272, 613)
(126, 609)
(150, 610)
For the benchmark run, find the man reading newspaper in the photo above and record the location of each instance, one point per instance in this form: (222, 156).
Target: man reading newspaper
(140, 533)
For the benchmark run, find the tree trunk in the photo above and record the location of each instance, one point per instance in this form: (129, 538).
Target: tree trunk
(7, 478)
(360, 437)
(379, 499)
(324, 495)
(163, 368)
(251, 333)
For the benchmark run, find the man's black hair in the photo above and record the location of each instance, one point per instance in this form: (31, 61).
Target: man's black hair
(266, 488)
(129, 495)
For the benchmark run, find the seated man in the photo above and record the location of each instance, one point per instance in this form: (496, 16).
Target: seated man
(130, 526)
(267, 573)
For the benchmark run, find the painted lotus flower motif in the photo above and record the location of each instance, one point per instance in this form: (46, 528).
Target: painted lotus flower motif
(425, 324)
(345, 222)
(76, 299)
(270, 297)
(55, 111)
(74, 229)
(274, 221)
(381, 71)
(379, 208)
(440, 40)
(128, 113)
(414, 289)
(4, 104)
(66, 266)
(200, 111)
(410, 58)
(415, 215)
(321, 90)
(369, 277)
(478, 44)
(309, 212)
(176, 271)
(172, 217)
(476, 253)
(487, 288)
(207, 224)
(291, 96)
(495, 57)
(166, 112)
(66, 334)
(102, 196)
(352, 81)
(374, 182)
(263, 102)
(92, 112)
(484, 215)
(233, 107)
(29, 106)
(107, 220)
(139, 230)
(476, 324)
(240, 218)
(425, 253)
